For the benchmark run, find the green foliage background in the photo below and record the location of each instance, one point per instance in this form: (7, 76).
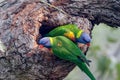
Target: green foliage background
(104, 53)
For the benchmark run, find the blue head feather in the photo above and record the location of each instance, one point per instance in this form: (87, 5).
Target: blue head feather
(45, 42)
(84, 38)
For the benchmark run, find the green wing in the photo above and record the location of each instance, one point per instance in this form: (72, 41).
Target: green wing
(69, 26)
(63, 53)
(59, 49)
(69, 47)
(59, 31)
(67, 50)
(72, 27)
(62, 32)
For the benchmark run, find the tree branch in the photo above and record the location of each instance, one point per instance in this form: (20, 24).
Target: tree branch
(97, 11)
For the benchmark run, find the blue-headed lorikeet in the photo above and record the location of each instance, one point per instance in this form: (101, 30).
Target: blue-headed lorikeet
(72, 32)
(65, 49)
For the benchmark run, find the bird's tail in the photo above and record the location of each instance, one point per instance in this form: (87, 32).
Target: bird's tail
(85, 69)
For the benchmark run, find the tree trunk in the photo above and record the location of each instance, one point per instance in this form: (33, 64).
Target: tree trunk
(23, 22)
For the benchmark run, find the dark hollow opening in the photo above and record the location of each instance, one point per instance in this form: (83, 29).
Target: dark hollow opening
(45, 28)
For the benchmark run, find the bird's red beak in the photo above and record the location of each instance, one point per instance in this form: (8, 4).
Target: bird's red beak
(41, 46)
(88, 44)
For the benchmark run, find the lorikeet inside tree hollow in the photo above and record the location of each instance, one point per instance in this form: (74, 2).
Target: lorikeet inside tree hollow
(72, 32)
(65, 49)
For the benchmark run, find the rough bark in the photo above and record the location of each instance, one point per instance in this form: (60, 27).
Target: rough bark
(97, 11)
(23, 22)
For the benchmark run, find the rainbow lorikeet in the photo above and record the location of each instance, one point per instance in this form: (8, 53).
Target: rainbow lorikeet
(65, 49)
(72, 32)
